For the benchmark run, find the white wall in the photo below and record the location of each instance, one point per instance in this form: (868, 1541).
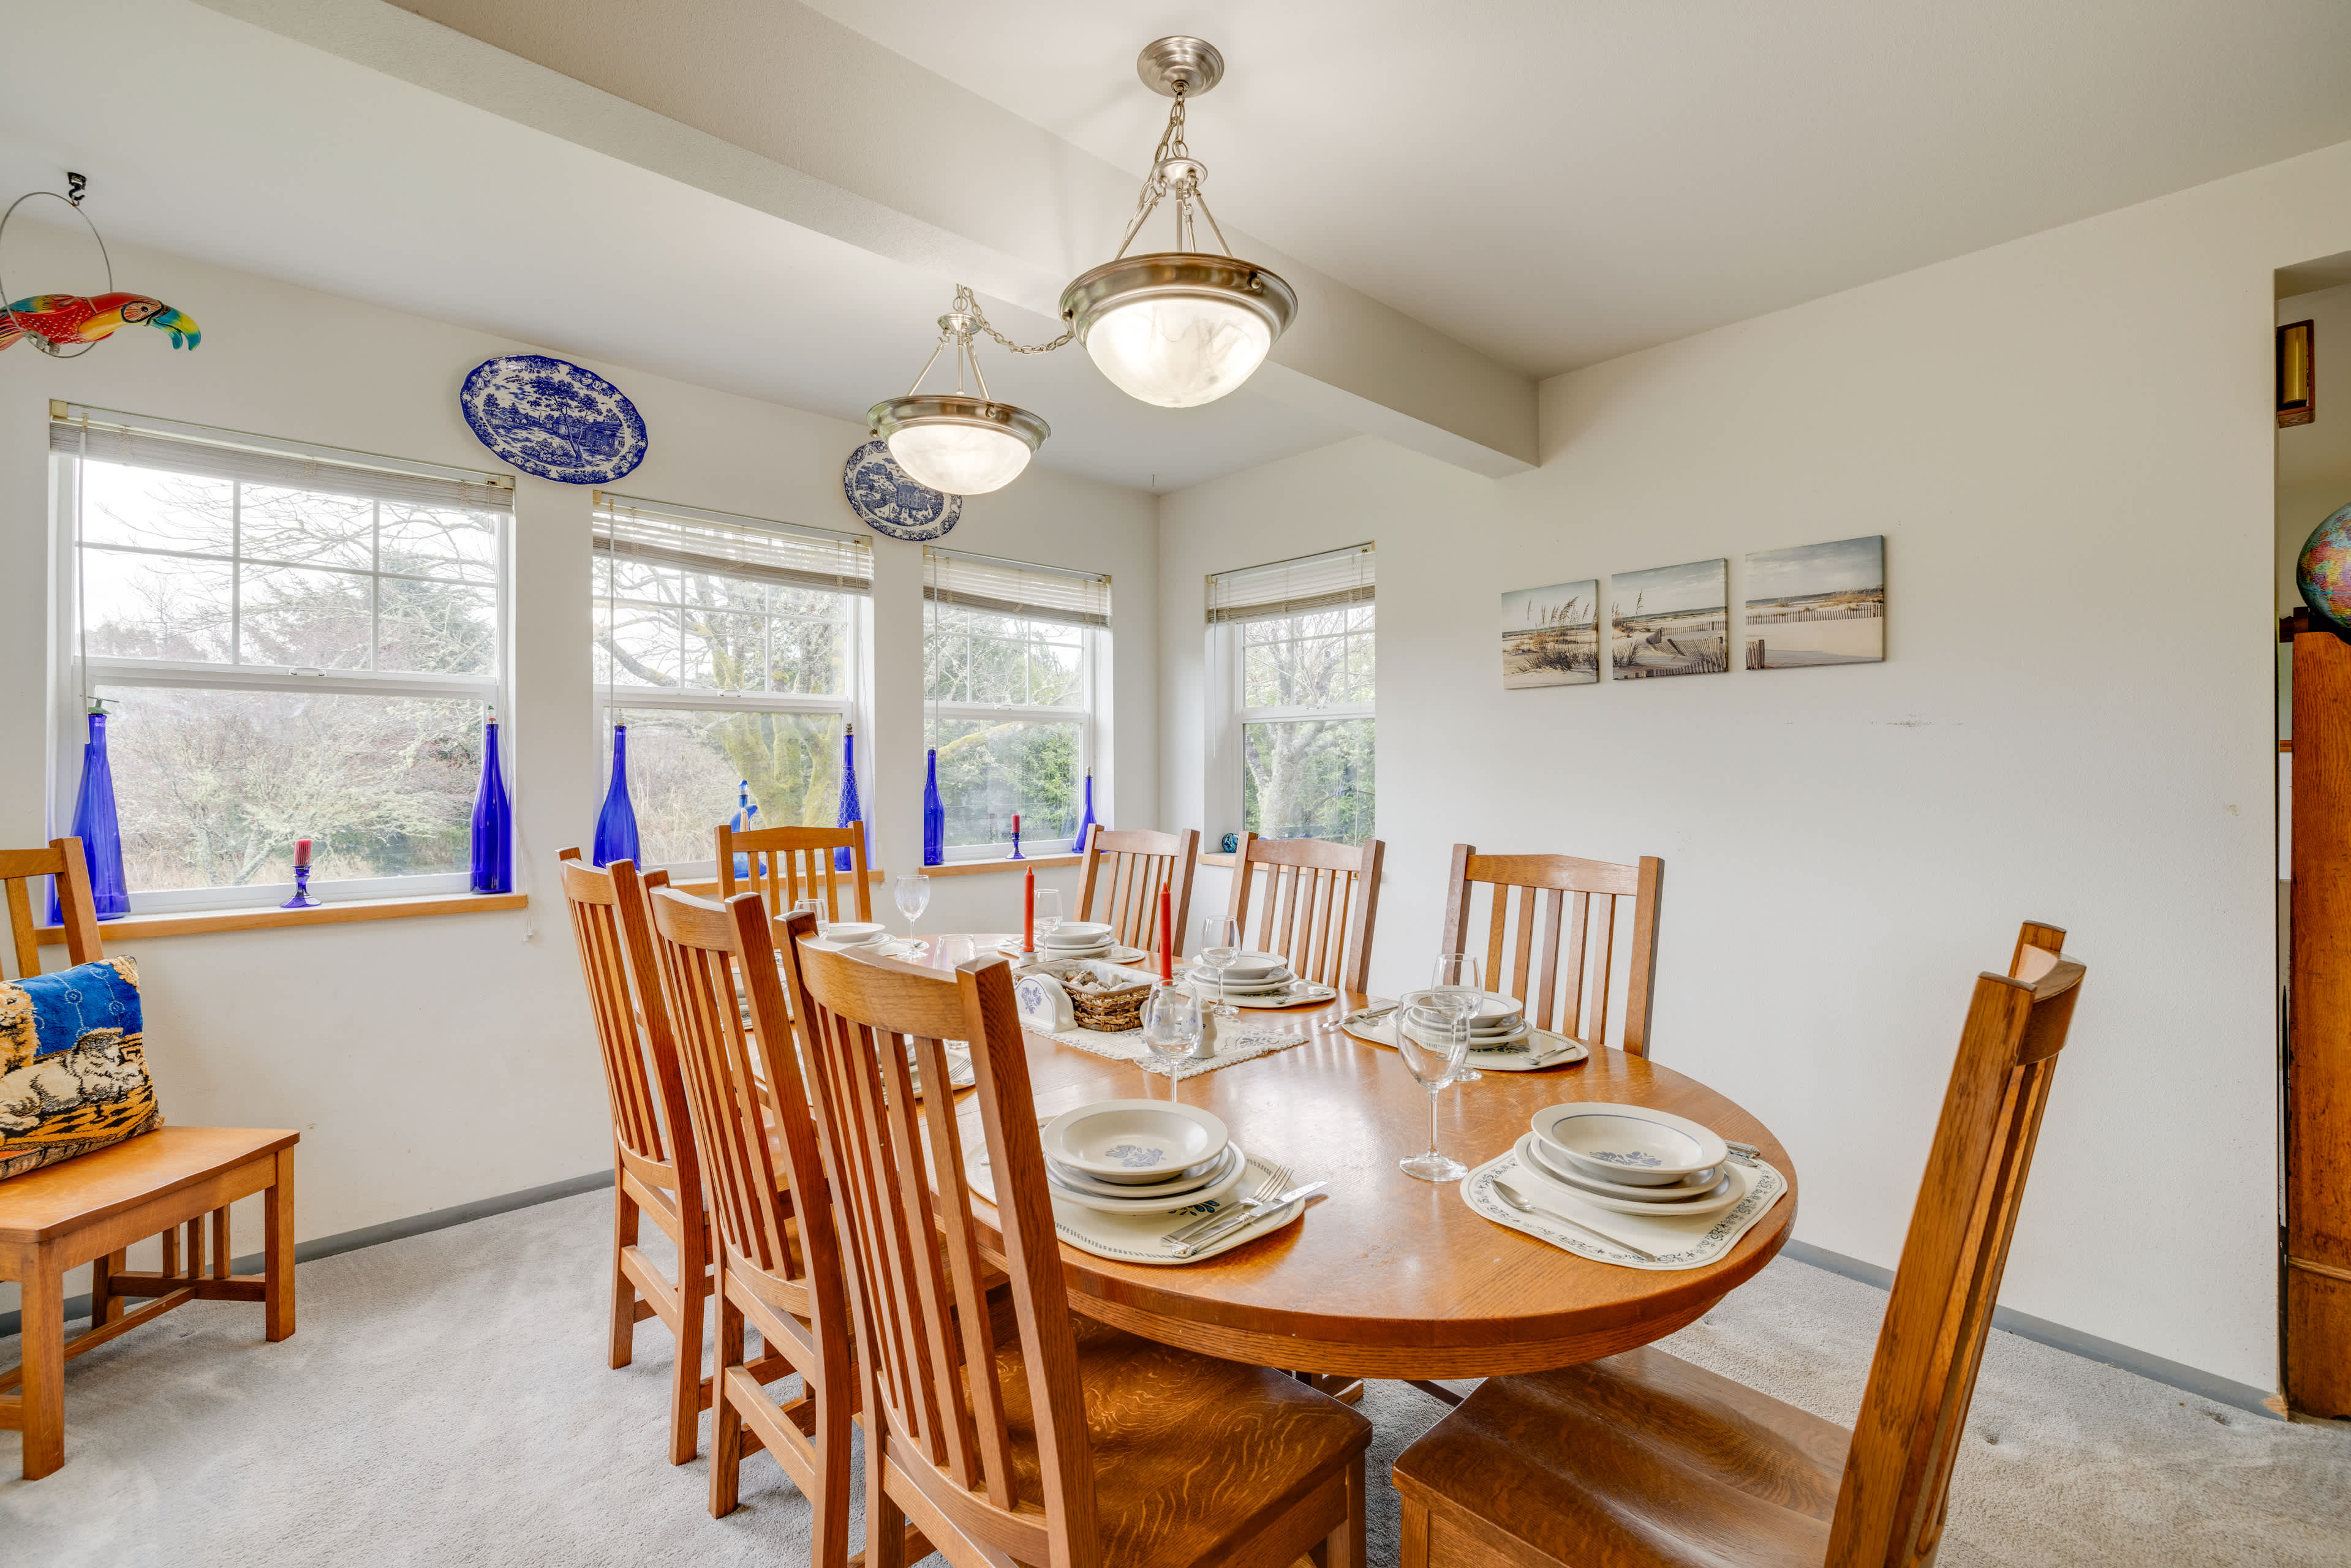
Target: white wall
(2067, 443)
(429, 1062)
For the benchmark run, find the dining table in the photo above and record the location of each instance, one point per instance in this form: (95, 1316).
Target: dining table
(1384, 1275)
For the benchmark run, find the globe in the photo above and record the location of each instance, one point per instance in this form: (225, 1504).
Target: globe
(2323, 573)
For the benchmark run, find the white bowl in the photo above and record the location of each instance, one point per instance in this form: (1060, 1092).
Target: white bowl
(1134, 1141)
(1083, 933)
(1634, 1145)
(854, 932)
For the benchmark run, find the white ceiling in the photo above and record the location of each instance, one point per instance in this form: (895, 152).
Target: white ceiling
(259, 154)
(1557, 181)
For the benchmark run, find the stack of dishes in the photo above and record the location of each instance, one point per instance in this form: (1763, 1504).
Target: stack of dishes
(1249, 975)
(1500, 1020)
(1140, 1157)
(1076, 939)
(1632, 1159)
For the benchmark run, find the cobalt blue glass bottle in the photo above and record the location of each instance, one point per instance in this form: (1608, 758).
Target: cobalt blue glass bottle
(616, 824)
(851, 811)
(1086, 822)
(745, 819)
(100, 831)
(493, 822)
(934, 815)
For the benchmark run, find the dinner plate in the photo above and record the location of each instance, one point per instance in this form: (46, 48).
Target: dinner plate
(1732, 1187)
(1270, 981)
(1154, 1200)
(1189, 1180)
(1663, 1197)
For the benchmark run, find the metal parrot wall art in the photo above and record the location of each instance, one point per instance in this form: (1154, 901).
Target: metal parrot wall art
(52, 322)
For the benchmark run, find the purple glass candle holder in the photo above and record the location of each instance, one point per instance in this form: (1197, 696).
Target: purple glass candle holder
(301, 899)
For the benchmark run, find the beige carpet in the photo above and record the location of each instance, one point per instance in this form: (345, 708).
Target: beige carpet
(446, 1403)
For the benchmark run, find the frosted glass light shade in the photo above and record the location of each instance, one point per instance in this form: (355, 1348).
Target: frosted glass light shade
(1179, 352)
(959, 459)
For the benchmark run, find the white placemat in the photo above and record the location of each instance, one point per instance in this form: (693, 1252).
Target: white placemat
(1140, 1238)
(1534, 1054)
(1235, 1042)
(1677, 1243)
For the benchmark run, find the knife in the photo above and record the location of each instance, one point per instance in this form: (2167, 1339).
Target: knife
(1240, 1219)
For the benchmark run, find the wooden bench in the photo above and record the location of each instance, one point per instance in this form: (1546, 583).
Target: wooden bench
(90, 1209)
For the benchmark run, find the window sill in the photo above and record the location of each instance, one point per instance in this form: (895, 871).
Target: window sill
(975, 868)
(707, 887)
(203, 921)
(1218, 857)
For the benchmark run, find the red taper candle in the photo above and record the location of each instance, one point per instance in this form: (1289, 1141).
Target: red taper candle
(301, 852)
(1166, 938)
(1027, 908)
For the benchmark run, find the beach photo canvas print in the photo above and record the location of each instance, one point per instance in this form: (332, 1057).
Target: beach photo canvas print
(1670, 621)
(1817, 604)
(1550, 636)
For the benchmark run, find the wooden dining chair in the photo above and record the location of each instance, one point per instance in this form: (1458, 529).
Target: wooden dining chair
(656, 1168)
(1642, 1460)
(778, 1260)
(788, 864)
(1019, 1430)
(90, 1209)
(1128, 866)
(1560, 933)
(1318, 903)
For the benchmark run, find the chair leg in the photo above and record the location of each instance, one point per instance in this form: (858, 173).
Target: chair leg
(1416, 1535)
(278, 1251)
(833, 1403)
(624, 1294)
(105, 1306)
(885, 1521)
(726, 1421)
(685, 1372)
(42, 1298)
(1344, 1547)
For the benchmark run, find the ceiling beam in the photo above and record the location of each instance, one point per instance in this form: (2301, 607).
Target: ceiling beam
(771, 105)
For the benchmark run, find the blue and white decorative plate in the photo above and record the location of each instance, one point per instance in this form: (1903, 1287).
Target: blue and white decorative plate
(551, 418)
(889, 503)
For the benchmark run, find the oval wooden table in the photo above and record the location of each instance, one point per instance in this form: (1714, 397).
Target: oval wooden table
(1384, 1275)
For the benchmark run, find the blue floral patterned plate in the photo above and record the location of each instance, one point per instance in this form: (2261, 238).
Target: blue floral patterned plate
(889, 503)
(554, 419)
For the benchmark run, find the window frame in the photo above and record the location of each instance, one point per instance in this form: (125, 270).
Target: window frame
(1225, 753)
(1093, 661)
(70, 728)
(854, 704)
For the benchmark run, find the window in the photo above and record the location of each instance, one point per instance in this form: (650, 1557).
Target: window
(735, 651)
(1015, 664)
(291, 641)
(1291, 663)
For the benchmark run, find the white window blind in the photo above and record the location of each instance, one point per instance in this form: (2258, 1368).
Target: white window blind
(138, 441)
(1011, 588)
(722, 542)
(1293, 587)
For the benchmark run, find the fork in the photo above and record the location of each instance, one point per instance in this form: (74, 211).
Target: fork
(1277, 1181)
(1509, 1195)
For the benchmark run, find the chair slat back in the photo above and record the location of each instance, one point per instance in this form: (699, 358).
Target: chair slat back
(784, 865)
(904, 1206)
(1125, 867)
(614, 931)
(1555, 918)
(21, 872)
(717, 961)
(1897, 1487)
(1318, 903)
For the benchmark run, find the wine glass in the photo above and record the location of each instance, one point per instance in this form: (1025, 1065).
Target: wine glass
(1171, 1029)
(1048, 914)
(1432, 1036)
(1220, 944)
(912, 892)
(816, 911)
(1460, 972)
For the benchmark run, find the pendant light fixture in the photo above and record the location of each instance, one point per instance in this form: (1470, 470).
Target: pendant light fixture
(953, 442)
(1183, 327)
